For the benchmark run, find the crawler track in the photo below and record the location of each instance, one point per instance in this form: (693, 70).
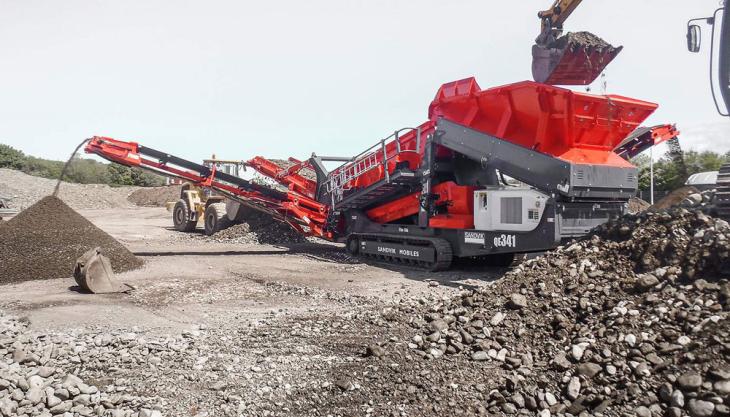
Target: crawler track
(442, 253)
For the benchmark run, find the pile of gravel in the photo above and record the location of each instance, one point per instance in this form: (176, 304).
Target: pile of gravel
(45, 240)
(259, 228)
(632, 321)
(24, 190)
(155, 196)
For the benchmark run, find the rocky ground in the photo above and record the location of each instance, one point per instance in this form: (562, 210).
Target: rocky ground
(630, 321)
(38, 373)
(221, 329)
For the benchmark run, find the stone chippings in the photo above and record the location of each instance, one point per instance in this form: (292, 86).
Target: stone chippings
(39, 373)
(258, 228)
(631, 320)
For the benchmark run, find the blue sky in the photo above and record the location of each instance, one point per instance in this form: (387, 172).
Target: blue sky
(286, 78)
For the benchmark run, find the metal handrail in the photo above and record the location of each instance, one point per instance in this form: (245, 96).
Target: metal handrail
(366, 161)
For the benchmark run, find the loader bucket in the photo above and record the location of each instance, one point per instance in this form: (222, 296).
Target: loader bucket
(93, 273)
(574, 59)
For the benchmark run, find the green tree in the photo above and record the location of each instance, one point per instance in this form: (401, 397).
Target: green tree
(143, 178)
(668, 175)
(120, 175)
(42, 167)
(87, 171)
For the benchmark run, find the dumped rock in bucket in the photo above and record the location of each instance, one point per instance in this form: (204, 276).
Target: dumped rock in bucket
(581, 39)
(45, 240)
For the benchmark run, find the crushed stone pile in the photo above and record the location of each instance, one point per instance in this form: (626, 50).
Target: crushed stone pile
(155, 196)
(45, 240)
(632, 321)
(259, 228)
(23, 190)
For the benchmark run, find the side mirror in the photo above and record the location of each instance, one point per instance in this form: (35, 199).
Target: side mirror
(694, 38)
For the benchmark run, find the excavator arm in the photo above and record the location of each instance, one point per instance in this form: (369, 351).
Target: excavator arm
(553, 18)
(571, 59)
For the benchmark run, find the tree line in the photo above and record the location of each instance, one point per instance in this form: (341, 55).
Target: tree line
(81, 170)
(671, 173)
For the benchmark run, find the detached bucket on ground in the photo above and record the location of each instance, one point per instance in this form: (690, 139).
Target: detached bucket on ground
(93, 273)
(574, 59)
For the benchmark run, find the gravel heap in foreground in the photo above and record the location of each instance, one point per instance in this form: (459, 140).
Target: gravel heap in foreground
(632, 320)
(45, 240)
(37, 374)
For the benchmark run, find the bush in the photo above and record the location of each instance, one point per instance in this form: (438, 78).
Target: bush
(11, 157)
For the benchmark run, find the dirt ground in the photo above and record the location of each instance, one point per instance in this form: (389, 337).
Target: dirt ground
(188, 281)
(308, 305)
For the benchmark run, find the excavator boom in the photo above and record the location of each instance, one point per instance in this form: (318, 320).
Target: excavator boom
(572, 59)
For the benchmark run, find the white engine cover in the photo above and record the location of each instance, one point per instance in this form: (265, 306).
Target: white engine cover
(508, 209)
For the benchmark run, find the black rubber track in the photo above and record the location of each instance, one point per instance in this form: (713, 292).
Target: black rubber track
(444, 253)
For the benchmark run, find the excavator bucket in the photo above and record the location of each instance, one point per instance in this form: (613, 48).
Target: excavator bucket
(574, 59)
(93, 273)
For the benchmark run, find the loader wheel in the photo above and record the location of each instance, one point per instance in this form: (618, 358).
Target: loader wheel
(216, 218)
(181, 217)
